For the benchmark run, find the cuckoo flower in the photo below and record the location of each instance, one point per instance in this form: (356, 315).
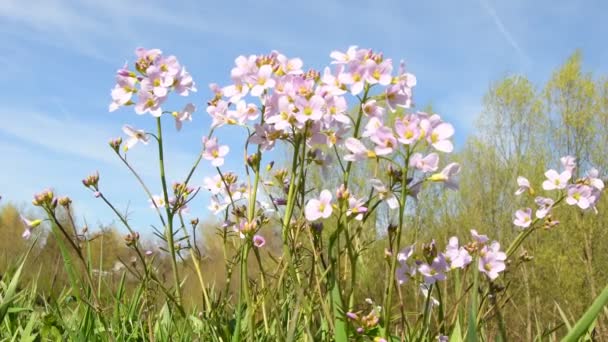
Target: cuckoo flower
(545, 205)
(456, 257)
(29, 225)
(319, 208)
(311, 109)
(372, 109)
(185, 114)
(407, 132)
(523, 218)
(259, 241)
(215, 185)
(384, 193)
(439, 136)
(492, 260)
(425, 164)
(556, 180)
(344, 57)
(356, 208)
(262, 80)
(384, 140)
(404, 272)
(524, 185)
(569, 163)
(357, 150)
(482, 239)
(135, 136)
(157, 201)
(147, 102)
(214, 152)
(580, 195)
(447, 176)
(435, 271)
(592, 178)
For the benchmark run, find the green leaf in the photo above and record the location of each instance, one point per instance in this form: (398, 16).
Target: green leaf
(582, 326)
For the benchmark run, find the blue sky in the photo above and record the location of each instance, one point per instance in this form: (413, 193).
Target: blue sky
(58, 59)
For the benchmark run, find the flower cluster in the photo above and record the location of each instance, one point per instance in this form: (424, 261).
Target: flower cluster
(584, 193)
(156, 75)
(434, 265)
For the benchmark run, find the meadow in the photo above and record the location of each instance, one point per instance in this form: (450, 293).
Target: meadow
(371, 227)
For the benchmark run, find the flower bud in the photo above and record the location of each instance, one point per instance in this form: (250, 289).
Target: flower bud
(131, 239)
(92, 180)
(194, 222)
(269, 166)
(279, 201)
(253, 161)
(317, 227)
(342, 193)
(65, 201)
(115, 144)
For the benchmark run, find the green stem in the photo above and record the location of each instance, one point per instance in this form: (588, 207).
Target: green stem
(169, 227)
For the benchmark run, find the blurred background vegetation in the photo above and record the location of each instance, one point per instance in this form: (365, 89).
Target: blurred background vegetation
(522, 129)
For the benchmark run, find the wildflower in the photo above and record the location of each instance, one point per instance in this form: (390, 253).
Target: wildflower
(447, 175)
(147, 102)
(425, 164)
(384, 193)
(259, 241)
(455, 256)
(479, 237)
(356, 208)
(524, 185)
(439, 137)
(135, 136)
(185, 114)
(492, 260)
(435, 271)
(157, 201)
(592, 178)
(569, 163)
(29, 226)
(407, 133)
(214, 152)
(358, 151)
(556, 180)
(545, 205)
(523, 218)
(404, 272)
(384, 140)
(319, 208)
(372, 109)
(311, 109)
(580, 195)
(263, 80)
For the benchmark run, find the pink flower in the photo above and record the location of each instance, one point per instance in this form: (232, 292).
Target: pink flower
(291, 66)
(319, 208)
(524, 185)
(404, 272)
(157, 202)
(259, 241)
(384, 193)
(569, 163)
(185, 114)
(580, 195)
(435, 271)
(523, 218)
(447, 175)
(545, 205)
(407, 133)
(344, 58)
(311, 109)
(356, 208)
(456, 257)
(384, 140)
(380, 73)
(215, 185)
(147, 102)
(425, 164)
(214, 152)
(372, 109)
(29, 225)
(440, 135)
(358, 151)
(479, 237)
(556, 180)
(135, 136)
(263, 80)
(492, 260)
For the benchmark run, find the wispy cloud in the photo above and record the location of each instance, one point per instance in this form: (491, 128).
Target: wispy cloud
(504, 31)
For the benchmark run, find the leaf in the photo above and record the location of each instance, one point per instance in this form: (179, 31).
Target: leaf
(456, 335)
(582, 326)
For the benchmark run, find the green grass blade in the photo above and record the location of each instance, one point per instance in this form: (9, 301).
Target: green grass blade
(582, 326)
